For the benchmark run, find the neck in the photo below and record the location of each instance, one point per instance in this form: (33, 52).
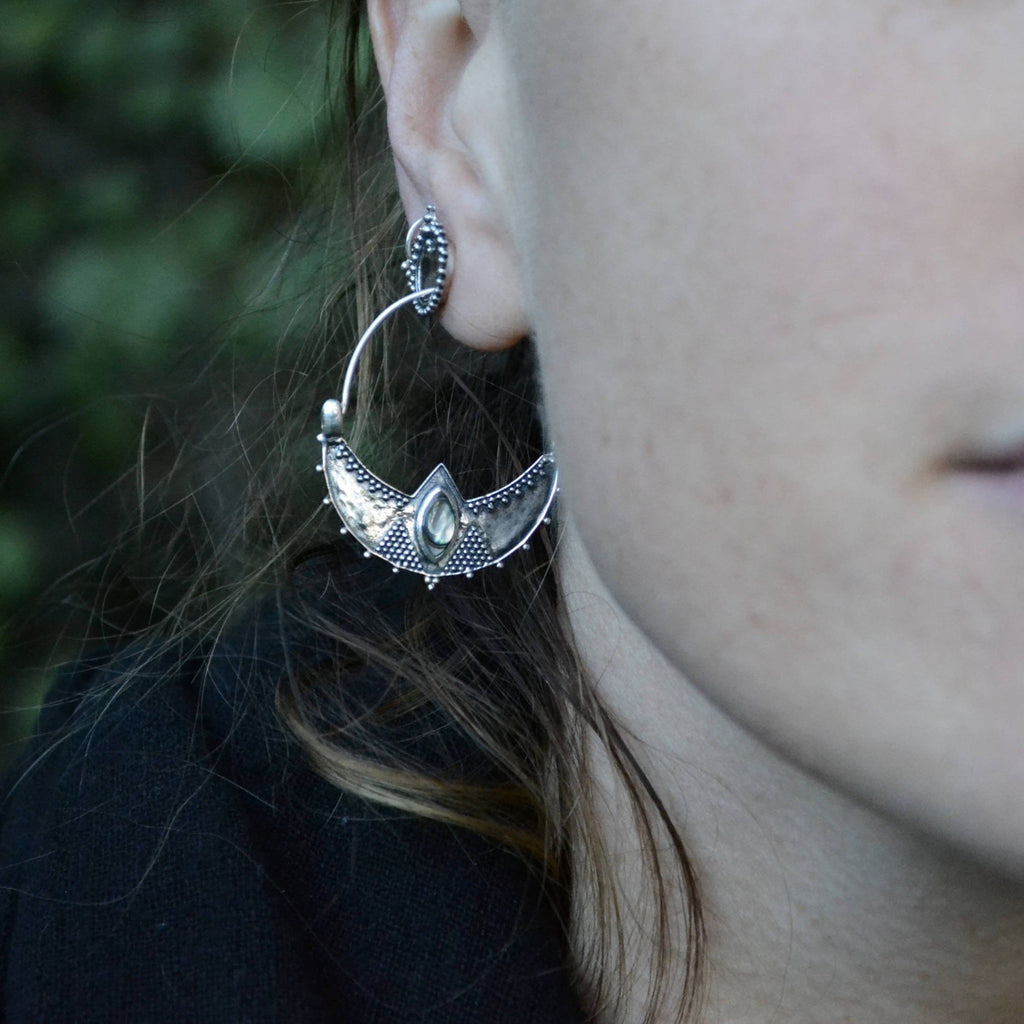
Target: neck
(818, 909)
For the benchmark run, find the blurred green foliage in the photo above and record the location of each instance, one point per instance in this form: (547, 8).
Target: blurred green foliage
(149, 157)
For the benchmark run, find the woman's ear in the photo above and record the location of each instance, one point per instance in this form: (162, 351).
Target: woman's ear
(447, 90)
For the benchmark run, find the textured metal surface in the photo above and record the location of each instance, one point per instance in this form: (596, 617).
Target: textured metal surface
(395, 526)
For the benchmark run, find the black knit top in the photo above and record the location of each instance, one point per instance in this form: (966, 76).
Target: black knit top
(167, 855)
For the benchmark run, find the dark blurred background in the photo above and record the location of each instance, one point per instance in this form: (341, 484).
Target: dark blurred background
(152, 167)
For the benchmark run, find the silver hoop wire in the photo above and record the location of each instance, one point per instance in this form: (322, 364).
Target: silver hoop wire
(350, 372)
(426, 238)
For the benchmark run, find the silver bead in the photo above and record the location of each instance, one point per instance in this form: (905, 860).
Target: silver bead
(330, 418)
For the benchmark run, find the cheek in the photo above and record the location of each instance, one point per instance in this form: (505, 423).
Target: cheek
(762, 238)
(761, 253)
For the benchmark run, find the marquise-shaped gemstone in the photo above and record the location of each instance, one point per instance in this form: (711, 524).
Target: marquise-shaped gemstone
(439, 521)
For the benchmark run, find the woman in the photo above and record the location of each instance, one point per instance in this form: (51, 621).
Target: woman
(770, 258)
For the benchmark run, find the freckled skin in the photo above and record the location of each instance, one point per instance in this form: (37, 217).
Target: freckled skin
(774, 260)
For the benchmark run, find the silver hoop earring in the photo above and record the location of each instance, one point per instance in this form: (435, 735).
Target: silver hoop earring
(435, 531)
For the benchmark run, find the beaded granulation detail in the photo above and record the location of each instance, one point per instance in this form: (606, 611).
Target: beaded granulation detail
(427, 241)
(398, 549)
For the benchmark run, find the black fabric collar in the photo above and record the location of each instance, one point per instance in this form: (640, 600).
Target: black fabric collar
(167, 854)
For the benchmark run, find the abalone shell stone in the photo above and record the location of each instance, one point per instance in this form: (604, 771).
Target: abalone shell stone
(439, 522)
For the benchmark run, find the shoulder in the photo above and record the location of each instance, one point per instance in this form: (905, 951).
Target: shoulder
(165, 846)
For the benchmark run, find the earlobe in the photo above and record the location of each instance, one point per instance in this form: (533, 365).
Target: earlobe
(448, 119)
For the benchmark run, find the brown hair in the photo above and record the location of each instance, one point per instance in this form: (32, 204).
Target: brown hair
(493, 657)
(513, 681)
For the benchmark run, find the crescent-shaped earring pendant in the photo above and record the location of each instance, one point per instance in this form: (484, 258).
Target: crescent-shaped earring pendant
(435, 531)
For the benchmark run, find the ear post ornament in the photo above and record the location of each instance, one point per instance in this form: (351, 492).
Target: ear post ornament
(435, 531)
